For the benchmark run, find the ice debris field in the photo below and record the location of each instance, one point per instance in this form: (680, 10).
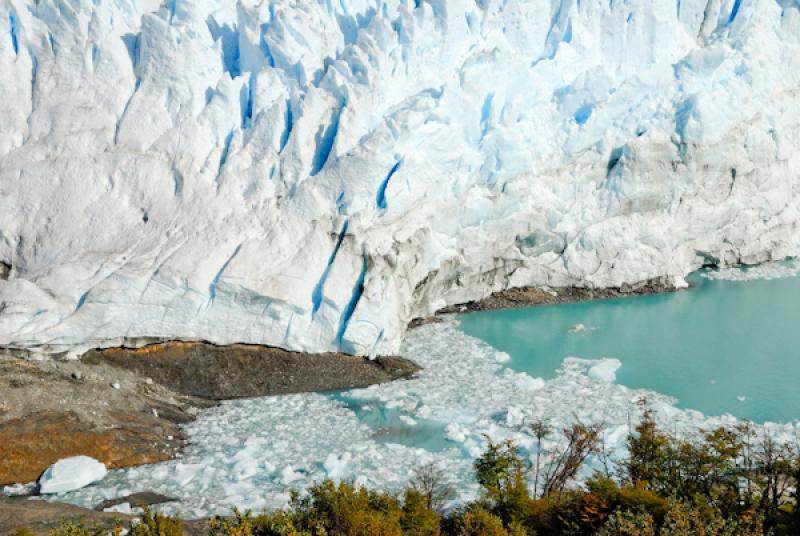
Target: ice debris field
(313, 175)
(250, 453)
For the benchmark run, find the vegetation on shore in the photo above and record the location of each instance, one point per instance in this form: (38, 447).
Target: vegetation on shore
(722, 483)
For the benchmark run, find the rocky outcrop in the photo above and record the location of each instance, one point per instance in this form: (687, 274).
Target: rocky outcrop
(241, 371)
(52, 410)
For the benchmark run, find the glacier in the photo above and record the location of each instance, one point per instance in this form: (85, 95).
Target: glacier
(314, 174)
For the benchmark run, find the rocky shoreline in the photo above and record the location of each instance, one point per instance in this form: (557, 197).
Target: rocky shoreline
(519, 297)
(124, 406)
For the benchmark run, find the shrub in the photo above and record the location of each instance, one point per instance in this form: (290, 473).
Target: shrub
(501, 473)
(418, 518)
(239, 525)
(480, 522)
(155, 524)
(347, 510)
(80, 528)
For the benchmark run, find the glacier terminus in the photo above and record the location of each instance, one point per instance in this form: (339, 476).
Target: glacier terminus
(313, 174)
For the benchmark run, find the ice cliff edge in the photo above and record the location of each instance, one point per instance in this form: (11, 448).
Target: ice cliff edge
(313, 174)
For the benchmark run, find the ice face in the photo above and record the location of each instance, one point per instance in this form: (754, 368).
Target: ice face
(251, 453)
(313, 175)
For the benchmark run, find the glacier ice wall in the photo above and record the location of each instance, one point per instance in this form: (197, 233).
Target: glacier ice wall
(312, 174)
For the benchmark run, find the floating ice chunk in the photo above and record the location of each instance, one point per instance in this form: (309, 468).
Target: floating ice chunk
(514, 416)
(409, 405)
(20, 489)
(741, 398)
(527, 383)
(424, 411)
(597, 369)
(336, 466)
(680, 282)
(501, 357)
(408, 420)
(577, 328)
(456, 433)
(123, 508)
(185, 472)
(605, 370)
(70, 474)
(289, 475)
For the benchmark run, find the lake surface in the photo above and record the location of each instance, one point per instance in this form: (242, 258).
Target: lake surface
(721, 347)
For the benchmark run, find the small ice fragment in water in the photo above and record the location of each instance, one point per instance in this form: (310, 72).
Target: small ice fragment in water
(712, 381)
(741, 398)
(289, 475)
(409, 405)
(123, 508)
(514, 416)
(335, 465)
(456, 433)
(408, 420)
(527, 383)
(578, 328)
(605, 370)
(20, 489)
(501, 357)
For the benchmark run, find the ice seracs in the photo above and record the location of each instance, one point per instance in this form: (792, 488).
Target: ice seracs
(70, 474)
(313, 175)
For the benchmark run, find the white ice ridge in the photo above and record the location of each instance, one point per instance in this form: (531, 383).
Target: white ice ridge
(313, 174)
(250, 453)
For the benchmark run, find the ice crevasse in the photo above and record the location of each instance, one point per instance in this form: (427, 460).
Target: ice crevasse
(314, 174)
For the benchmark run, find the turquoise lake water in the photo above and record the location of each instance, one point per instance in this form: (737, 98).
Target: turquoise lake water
(389, 428)
(720, 347)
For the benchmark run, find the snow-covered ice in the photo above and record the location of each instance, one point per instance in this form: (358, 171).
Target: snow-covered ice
(70, 474)
(250, 453)
(313, 175)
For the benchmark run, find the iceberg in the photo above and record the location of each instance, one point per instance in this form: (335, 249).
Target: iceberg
(313, 175)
